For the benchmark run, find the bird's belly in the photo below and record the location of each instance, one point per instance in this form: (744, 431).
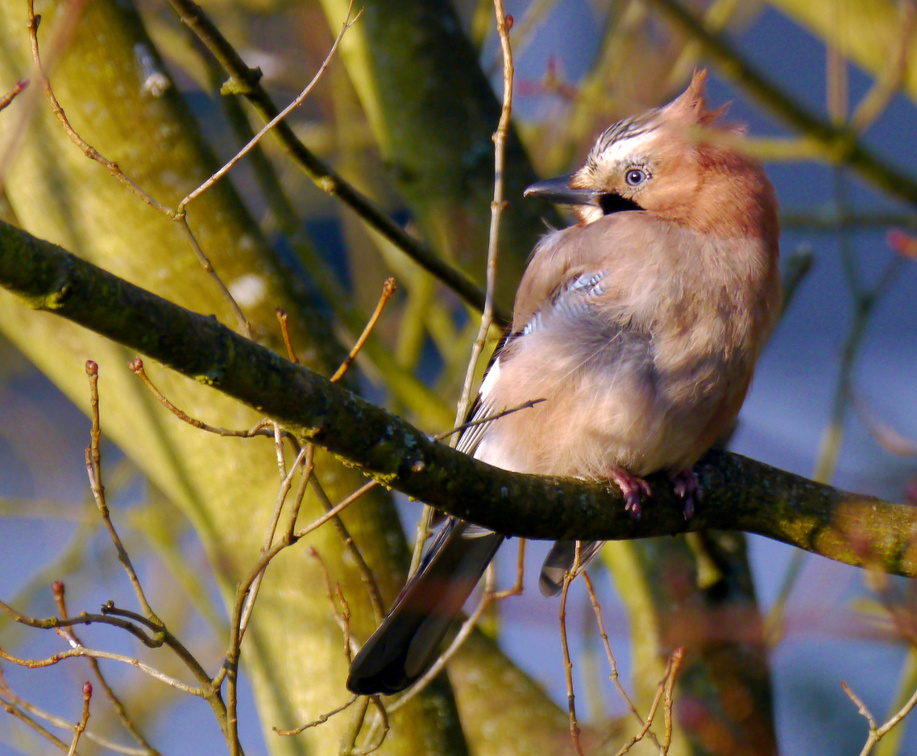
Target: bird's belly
(595, 414)
(604, 407)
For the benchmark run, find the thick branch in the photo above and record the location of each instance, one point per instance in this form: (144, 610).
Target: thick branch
(739, 494)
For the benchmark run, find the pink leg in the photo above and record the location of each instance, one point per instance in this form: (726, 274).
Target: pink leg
(631, 486)
(688, 489)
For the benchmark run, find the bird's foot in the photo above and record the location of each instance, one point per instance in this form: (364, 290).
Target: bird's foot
(631, 486)
(688, 490)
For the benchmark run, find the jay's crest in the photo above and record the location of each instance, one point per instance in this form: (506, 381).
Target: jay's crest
(677, 161)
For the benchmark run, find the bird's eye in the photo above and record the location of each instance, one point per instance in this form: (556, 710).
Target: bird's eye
(635, 176)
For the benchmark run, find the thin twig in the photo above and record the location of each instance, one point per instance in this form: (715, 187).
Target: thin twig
(87, 149)
(612, 662)
(181, 220)
(116, 702)
(84, 652)
(496, 212)
(115, 170)
(84, 719)
(663, 693)
(488, 418)
(9, 701)
(342, 613)
(876, 733)
(302, 463)
(248, 590)
(94, 468)
(15, 711)
(297, 102)
(366, 574)
(260, 429)
(285, 332)
(337, 508)
(278, 449)
(388, 288)
(496, 208)
(384, 728)
(669, 702)
(516, 588)
(18, 87)
(898, 716)
(316, 722)
(565, 647)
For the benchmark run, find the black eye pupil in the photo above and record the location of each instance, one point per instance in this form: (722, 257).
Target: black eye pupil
(634, 176)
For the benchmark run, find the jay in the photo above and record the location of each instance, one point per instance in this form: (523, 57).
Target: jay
(638, 328)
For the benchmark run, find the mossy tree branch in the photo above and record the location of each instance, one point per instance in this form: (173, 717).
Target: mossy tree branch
(740, 494)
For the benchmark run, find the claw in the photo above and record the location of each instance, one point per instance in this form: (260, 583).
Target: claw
(631, 486)
(688, 490)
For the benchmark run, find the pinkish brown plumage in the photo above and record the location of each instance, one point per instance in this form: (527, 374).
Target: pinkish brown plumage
(639, 327)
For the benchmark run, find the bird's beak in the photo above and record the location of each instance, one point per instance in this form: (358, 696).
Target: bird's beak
(559, 190)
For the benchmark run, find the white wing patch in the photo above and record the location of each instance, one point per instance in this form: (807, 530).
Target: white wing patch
(490, 380)
(470, 438)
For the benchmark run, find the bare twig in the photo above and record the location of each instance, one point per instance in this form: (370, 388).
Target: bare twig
(568, 664)
(516, 588)
(316, 722)
(669, 702)
(94, 468)
(21, 708)
(260, 429)
(496, 207)
(496, 211)
(388, 288)
(366, 574)
(342, 612)
(115, 170)
(133, 623)
(84, 719)
(285, 332)
(15, 711)
(489, 418)
(116, 702)
(612, 662)
(181, 220)
(83, 652)
(663, 694)
(337, 508)
(303, 464)
(18, 87)
(297, 102)
(383, 729)
(87, 149)
(248, 590)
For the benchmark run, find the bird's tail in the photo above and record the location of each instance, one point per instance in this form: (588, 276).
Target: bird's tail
(560, 560)
(407, 642)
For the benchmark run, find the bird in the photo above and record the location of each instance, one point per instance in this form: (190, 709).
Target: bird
(634, 336)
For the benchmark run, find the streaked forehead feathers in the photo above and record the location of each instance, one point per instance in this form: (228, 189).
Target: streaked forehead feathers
(623, 139)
